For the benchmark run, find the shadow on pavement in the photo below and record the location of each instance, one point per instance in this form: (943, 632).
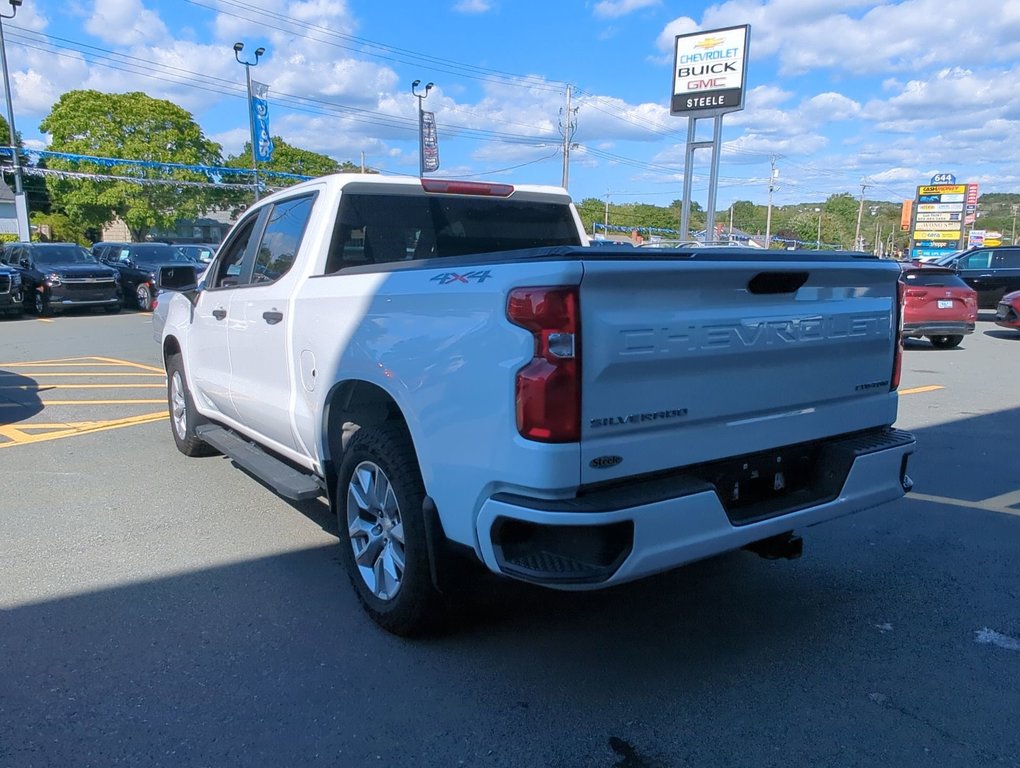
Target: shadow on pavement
(19, 397)
(863, 652)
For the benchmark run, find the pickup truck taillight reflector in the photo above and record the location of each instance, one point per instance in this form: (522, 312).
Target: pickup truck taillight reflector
(467, 188)
(901, 295)
(549, 387)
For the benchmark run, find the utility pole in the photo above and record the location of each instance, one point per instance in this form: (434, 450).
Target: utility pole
(20, 200)
(730, 238)
(860, 212)
(362, 161)
(1015, 209)
(568, 125)
(773, 175)
(607, 213)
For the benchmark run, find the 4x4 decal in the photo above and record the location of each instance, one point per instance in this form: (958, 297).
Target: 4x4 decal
(479, 276)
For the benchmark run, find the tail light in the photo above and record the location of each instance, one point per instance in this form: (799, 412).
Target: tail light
(901, 294)
(548, 388)
(915, 293)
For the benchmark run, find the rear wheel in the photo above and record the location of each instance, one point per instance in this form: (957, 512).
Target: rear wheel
(945, 342)
(382, 530)
(183, 417)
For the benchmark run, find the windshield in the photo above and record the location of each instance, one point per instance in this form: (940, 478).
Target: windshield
(155, 254)
(61, 254)
(200, 253)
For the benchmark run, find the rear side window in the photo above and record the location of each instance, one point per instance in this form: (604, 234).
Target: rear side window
(1008, 259)
(380, 229)
(934, 279)
(282, 238)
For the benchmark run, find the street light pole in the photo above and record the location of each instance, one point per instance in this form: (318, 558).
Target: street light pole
(238, 47)
(20, 202)
(421, 123)
(818, 242)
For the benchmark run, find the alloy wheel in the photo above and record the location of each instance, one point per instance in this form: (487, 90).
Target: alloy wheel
(376, 530)
(178, 405)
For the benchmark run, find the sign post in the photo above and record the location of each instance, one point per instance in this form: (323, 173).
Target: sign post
(709, 80)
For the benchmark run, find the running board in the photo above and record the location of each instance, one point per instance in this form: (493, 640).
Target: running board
(278, 475)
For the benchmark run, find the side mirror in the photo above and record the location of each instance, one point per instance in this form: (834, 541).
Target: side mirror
(182, 279)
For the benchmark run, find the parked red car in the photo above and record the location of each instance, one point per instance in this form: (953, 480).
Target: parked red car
(1007, 314)
(937, 304)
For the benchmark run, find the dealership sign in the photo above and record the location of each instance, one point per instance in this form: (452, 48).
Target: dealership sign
(709, 71)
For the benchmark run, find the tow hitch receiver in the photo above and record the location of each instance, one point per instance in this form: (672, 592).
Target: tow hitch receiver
(784, 546)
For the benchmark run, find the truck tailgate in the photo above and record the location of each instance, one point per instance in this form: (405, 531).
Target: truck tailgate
(698, 358)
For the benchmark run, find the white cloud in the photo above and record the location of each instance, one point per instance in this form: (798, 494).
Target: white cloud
(125, 22)
(473, 6)
(613, 9)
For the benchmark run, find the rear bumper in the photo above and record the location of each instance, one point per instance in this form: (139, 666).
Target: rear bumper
(939, 328)
(651, 526)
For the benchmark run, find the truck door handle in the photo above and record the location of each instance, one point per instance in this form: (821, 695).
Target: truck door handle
(272, 317)
(219, 314)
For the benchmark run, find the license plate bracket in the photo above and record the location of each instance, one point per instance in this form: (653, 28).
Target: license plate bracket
(945, 303)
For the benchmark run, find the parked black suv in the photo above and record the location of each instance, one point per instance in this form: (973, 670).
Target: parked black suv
(138, 264)
(58, 276)
(12, 299)
(992, 272)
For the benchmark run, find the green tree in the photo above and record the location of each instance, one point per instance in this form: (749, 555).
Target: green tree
(290, 159)
(129, 126)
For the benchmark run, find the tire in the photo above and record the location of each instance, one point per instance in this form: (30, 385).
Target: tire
(143, 297)
(379, 498)
(183, 417)
(945, 342)
(42, 304)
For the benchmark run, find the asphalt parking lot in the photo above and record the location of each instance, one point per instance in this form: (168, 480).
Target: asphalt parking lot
(158, 610)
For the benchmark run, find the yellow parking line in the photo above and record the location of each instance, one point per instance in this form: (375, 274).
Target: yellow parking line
(83, 402)
(53, 360)
(63, 365)
(19, 435)
(129, 364)
(51, 387)
(1003, 503)
(919, 390)
(42, 320)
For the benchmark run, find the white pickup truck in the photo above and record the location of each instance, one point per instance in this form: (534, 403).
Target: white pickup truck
(459, 374)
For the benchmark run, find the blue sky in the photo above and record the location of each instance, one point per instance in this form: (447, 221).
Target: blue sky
(840, 92)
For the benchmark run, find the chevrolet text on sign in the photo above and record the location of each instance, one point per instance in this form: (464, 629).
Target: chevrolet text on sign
(709, 71)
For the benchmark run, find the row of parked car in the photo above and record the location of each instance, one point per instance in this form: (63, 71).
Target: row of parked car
(45, 278)
(942, 298)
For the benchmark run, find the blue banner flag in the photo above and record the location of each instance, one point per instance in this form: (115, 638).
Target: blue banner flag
(260, 118)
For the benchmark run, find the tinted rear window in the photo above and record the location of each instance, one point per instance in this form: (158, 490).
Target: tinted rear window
(378, 229)
(933, 278)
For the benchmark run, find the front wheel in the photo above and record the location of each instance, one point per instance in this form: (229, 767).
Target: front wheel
(143, 297)
(42, 304)
(382, 530)
(946, 342)
(183, 417)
